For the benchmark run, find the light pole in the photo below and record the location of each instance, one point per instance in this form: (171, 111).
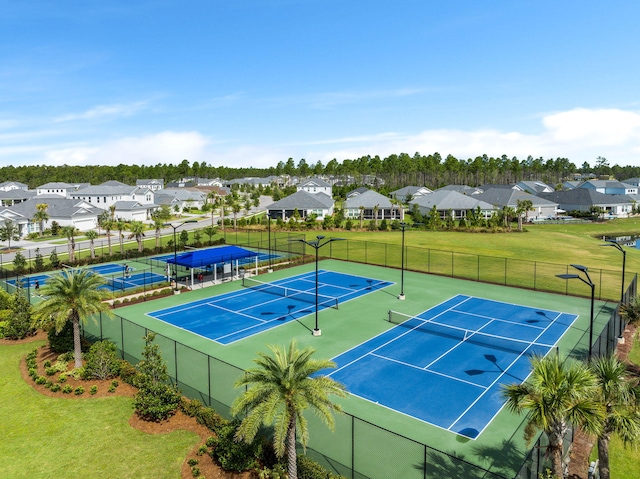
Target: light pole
(619, 247)
(269, 269)
(588, 282)
(175, 251)
(317, 244)
(403, 226)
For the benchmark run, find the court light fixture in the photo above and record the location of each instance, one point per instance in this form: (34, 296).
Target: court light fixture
(316, 244)
(588, 282)
(619, 247)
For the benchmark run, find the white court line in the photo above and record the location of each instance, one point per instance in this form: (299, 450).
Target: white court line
(432, 372)
(503, 373)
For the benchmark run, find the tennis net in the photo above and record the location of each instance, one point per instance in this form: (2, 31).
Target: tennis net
(480, 338)
(285, 292)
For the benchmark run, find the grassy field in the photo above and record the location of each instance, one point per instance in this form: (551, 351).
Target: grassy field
(71, 438)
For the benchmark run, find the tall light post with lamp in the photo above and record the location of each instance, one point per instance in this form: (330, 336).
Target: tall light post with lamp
(401, 297)
(588, 282)
(175, 250)
(619, 247)
(317, 244)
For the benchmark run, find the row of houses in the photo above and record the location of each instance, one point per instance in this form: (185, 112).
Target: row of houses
(614, 198)
(81, 204)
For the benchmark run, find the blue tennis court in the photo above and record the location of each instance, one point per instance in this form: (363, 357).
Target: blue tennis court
(262, 306)
(447, 365)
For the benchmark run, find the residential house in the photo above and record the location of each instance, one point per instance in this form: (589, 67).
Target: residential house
(305, 203)
(154, 184)
(13, 185)
(315, 185)
(371, 205)
(358, 191)
(59, 188)
(186, 197)
(610, 187)
(583, 199)
(116, 195)
(452, 204)
(500, 197)
(410, 193)
(464, 189)
(13, 196)
(65, 211)
(534, 187)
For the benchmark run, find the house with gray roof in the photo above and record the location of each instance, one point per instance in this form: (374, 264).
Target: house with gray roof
(305, 203)
(410, 193)
(372, 205)
(499, 197)
(583, 199)
(534, 187)
(114, 194)
(464, 189)
(14, 196)
(315, 185)
(59, 188)
(182, 197)
(610, 187)
(64, 211)
(13, 185)
(452, 204)
(153, 184)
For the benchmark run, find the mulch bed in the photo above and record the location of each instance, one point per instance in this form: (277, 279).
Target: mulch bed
(583, 443)
(208, 468)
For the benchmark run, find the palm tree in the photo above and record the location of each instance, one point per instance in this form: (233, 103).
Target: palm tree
(108, 225)
(41, 216)
(376, 208)
(158, 223)
(137, 232)
(557, 394)
(73, 295)
(507, 214)
(361, 208)
(91, 236)
(121, 225)
(236, 208)
(619, 395)
(278, 392)
(523, 207)
(70, 233)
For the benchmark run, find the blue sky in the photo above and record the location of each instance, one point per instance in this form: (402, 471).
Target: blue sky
(253, 82)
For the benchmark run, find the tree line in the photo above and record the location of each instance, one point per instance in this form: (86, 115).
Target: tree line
(394, 171)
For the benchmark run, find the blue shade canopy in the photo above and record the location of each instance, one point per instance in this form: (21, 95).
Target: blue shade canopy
(206, 257)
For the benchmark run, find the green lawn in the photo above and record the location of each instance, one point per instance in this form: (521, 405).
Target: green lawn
(72, 438)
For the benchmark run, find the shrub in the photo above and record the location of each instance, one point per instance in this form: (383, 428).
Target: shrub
(41, 380)
(78, 391)
(195, 471)
(63, 341)
(128, 373)
(115, 383)
(62, 379)
(47, 364)
(111, 389)
(93, 390)
(202, 450)
(309, 469)
(206, 416)
(55, 388)
(102, 361)
(232, 455)
(19, 324)
(192, 462)
(67, 389)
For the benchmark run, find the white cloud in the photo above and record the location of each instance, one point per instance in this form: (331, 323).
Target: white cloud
(580, 135)
(103, 111)
(165, 147)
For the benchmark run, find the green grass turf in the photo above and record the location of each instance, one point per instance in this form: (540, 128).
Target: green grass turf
(499, 447)
(72, 438)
